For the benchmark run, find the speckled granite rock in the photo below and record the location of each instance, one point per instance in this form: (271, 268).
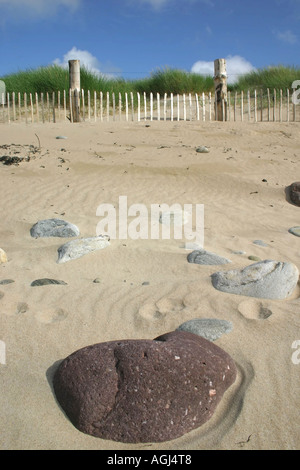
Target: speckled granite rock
(54, 228)
(206, 257)
(266, 279)
(144, 390)
(80, 247)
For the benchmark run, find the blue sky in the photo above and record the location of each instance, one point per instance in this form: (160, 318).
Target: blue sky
(132, 38)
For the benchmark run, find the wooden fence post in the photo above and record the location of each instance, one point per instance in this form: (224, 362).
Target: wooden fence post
(74, 79)
(220, 80)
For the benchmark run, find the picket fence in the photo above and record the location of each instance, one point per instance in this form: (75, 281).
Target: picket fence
(54, 107)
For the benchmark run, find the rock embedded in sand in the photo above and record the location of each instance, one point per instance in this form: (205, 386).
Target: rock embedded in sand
(202, 149)
(46, 282)
(209, 328)
(206, 257)
(260, 243)
(6, 281)
(54, 228)
(144, 390)
(80, 247)
(294, 193)
(3, 256)
(295, 231)
(266, 279)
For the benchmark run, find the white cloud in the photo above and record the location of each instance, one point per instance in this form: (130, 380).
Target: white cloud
(287, 36)
(235, 66)
(88, 61)
(39, 8)
(158, 4)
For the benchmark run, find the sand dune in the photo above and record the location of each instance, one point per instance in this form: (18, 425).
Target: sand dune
(147, 287)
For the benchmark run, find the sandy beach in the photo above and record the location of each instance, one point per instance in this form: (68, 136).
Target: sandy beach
(146, 287)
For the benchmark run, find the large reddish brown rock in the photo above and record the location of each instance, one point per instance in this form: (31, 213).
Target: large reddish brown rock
(144, 390)
(294, 193)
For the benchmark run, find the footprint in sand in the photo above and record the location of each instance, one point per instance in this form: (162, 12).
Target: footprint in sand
(158, 310)
(254, 310)
(51, 315)
(22, 307)
(13, 308)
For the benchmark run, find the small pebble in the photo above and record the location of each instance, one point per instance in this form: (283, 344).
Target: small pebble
(61, 137)
(46, 281)
(295, 231)
(260, 242)
(6, 281)
(146, 283)
(97, 280)
(202, 149)
(254, 258)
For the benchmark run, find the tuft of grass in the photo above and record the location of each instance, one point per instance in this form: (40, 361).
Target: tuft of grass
(275, 77)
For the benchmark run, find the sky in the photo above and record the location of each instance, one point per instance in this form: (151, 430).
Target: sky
(134, 38)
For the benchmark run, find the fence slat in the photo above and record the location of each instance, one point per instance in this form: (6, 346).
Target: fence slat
(33, 107)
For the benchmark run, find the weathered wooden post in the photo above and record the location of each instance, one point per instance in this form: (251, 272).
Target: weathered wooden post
(74, 84)
(220, 80)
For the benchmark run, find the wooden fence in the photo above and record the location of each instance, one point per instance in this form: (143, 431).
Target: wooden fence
(275, 105)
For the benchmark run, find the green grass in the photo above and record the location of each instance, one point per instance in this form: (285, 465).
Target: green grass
(55, 78)
(276, 77)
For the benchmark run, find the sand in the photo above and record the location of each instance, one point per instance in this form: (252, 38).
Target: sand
(150, 165)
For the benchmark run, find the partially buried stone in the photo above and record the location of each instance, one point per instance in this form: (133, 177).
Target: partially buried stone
(6, 281)
(80, 247)
(260, 243)
(295, 231)
(254, 258)
(202, 149)
(266, 279)
(46, 281)
(144, 390)
(294, 192)
(209, 328)
(3, 256)
(206, 257)
(54, 228)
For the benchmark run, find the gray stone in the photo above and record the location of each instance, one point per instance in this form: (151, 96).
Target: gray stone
(295, 231)
(46, 281)
(294, 193)
(202, 149)
(80, 247)
(6, 281)
(206, 257)
(260, 243)
(54, 228)
(266, 279)
(144, 390)
(238, 252)
(209, 328)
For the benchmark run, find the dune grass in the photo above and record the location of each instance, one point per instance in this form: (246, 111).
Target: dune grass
(55, 78)
(275, 77)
